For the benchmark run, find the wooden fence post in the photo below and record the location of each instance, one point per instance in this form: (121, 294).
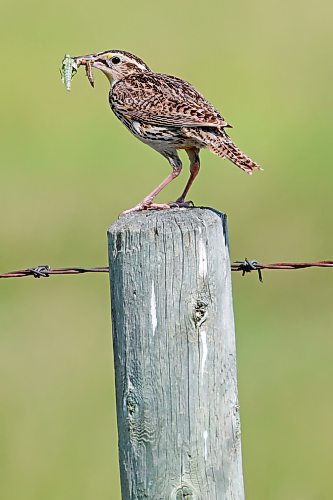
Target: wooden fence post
(175, 358)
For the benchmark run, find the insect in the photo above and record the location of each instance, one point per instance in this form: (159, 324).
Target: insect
(89, 73)
(68, 69)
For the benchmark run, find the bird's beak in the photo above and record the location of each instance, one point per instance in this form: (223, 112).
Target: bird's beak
(84, 59)
(96, 61)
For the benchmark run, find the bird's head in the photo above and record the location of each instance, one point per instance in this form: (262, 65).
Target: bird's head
(115, 64)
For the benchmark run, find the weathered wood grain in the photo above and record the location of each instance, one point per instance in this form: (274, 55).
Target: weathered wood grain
(175, 359)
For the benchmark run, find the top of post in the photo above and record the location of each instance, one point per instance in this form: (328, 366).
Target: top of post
(181, 217)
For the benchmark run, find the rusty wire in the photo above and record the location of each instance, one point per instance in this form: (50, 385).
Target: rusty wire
(245, 266)
(46, 271)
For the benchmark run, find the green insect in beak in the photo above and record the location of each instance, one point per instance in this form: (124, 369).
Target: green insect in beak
(68, 70)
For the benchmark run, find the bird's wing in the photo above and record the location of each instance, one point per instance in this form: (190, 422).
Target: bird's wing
(163, 100)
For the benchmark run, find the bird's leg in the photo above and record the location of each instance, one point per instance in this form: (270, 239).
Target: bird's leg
(147, 202)
(193, 155)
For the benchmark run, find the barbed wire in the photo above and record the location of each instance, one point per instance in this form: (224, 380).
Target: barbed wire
(244, 266)
(46, 271)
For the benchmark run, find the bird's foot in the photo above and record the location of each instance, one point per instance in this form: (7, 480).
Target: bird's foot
(180, 203)
(147, 206)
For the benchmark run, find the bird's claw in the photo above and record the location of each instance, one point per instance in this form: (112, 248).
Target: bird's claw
(182, 204)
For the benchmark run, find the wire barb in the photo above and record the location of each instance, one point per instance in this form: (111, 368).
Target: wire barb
(246, 266)
(40, 271)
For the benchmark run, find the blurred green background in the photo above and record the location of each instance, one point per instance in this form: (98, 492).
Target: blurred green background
(68, 168)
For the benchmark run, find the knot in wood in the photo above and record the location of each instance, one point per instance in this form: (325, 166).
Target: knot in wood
(132, 404)
(184, 493)
(200, 312)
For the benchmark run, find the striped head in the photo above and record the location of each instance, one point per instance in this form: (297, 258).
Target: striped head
(115, 64)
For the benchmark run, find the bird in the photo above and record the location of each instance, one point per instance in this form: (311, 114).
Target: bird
(168, 114)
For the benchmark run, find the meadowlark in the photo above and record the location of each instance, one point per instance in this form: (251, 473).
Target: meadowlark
(166, 113)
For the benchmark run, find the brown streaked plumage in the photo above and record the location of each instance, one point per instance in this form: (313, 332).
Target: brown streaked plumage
(166, 113)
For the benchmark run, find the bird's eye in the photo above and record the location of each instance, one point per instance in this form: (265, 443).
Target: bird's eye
(115, 60)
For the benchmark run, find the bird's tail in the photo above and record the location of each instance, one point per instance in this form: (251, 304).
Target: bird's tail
(228, 149)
